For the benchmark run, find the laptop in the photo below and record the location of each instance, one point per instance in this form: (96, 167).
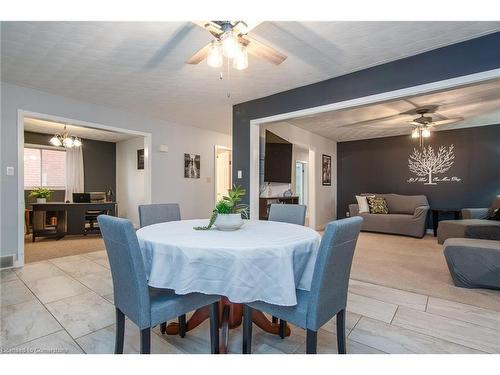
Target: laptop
(81, 198)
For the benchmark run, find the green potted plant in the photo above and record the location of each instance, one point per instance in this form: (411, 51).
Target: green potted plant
(228, 212)
(41, 194)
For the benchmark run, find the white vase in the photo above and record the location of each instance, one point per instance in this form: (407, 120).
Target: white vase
(228, 221)
(41, 200)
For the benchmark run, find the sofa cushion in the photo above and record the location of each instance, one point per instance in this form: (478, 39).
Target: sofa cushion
(378, 205)
(405, 204)
(457, 228)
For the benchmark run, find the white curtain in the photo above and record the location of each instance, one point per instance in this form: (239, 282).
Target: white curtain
(74, 172)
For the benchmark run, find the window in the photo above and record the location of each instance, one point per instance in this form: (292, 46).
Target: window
(44, 167)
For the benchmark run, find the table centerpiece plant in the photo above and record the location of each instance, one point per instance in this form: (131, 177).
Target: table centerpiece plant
(41, 194)
(228, 212)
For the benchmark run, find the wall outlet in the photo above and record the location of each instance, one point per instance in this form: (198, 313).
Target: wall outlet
(347, 214)
(10, 171)
(240, 174)
(163, 148)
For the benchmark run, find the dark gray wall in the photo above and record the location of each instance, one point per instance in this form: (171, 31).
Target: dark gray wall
(381, 166)
(99, 162)
(473, 56)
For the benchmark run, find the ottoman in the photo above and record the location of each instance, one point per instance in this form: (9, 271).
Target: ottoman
(457, 228)
(473, 263)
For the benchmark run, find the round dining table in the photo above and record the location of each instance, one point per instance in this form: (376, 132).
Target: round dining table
(262, 261)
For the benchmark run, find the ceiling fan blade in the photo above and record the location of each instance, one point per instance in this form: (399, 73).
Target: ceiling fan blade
(210, 26)
(260, 50)
(199, 56)
(244, 27)
(447, 121)
(431, 108)
(369, 122)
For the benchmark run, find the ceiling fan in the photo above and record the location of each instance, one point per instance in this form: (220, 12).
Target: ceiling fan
(231, 40)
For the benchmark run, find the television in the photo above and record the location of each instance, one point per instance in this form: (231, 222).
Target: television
(277, 159)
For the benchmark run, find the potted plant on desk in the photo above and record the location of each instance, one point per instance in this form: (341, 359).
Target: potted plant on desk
(41, 194)
(228, 212)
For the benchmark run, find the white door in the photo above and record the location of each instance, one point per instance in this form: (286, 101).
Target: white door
(223, 172)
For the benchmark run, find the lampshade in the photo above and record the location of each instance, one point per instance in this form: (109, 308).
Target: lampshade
(55, 141)
(230, 45)
(214, 58)
(68, 142)
(77, 142)
(240, 61)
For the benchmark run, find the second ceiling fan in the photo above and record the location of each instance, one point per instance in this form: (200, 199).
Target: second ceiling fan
(231, 40)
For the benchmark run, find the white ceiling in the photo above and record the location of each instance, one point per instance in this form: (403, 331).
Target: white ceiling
(51, 127)
(478, 105)
(140, 66)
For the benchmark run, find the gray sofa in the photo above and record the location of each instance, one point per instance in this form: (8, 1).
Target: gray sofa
(473, 225)
(473, 263)
(407, 215)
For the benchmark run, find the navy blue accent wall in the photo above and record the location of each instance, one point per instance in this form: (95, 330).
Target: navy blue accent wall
(472, 56)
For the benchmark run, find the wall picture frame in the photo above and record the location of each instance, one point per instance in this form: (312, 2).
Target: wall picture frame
(140, 159)
(192, 167)
(326, 170)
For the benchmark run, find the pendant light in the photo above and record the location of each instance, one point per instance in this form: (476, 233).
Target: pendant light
(240, 62)
(214, 58)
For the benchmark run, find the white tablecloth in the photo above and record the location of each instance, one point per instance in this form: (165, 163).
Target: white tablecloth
(262, 261)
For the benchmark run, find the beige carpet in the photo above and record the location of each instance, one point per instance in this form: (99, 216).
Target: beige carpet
(416, 265)
(48, 248)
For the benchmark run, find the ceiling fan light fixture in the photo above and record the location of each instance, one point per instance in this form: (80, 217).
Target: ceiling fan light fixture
(415, 133)
(214, 58)
(240, 62)
(230, 45)
(426, 133)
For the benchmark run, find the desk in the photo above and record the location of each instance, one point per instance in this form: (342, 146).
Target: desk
(262, 261)
(70, 217)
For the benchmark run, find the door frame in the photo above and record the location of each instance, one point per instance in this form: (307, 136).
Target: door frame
(217, 148)
(21, 114)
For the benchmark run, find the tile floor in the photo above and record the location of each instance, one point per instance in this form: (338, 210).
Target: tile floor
(65, 305)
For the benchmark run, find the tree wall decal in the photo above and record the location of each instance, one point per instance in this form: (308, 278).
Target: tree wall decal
(427, 162)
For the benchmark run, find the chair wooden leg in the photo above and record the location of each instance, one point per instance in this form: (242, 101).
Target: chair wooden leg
(274, 319)
(214, 328)
(120, 331)
(282, 329)
(146, 340)
(182, 325)
(341, 332)
(163, 328)
(311, 341)
(247, 330)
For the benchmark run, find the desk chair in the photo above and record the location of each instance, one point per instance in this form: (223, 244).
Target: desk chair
(328, 294)
(145, 306)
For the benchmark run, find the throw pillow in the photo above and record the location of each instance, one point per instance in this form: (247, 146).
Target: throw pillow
(495, 215)
(362, 204)
(378, 205)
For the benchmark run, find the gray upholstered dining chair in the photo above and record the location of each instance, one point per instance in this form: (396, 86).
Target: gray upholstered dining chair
(328, 294)
(144, 306)
(150, 214)
(286, 213)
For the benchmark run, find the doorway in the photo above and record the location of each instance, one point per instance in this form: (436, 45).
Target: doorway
(223, 171)
(301, 181)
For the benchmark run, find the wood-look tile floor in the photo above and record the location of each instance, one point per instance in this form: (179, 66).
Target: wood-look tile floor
(64, 305)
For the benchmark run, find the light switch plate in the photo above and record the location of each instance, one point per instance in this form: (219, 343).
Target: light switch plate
(240, 174)
(10, 171)
(163, 148)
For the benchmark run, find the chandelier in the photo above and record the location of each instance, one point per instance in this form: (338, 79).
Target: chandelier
(65, 140)
(227, 45)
